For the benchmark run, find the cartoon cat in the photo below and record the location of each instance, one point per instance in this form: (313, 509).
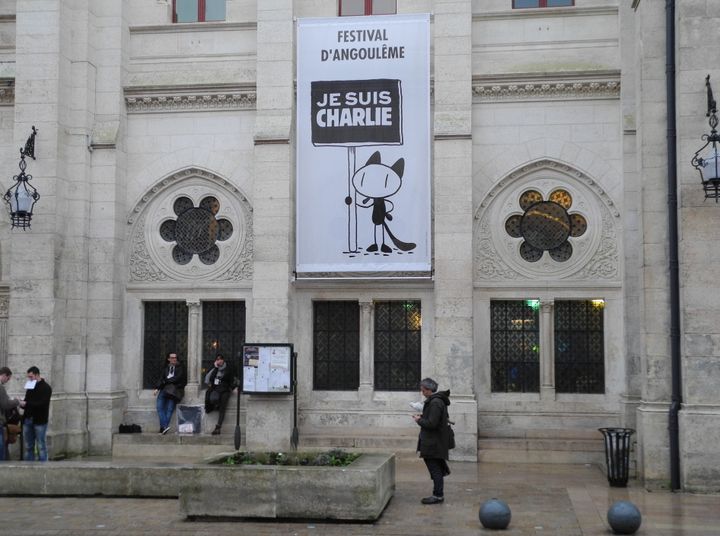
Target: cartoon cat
(376, 182)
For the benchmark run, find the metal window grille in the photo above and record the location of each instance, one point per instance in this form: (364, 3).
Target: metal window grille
(579, 347)
(336, 345)
(515, 346)
(166, 330)
(398, 328)
(223, 333)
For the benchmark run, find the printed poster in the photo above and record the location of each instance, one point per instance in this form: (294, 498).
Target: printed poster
(363, 144)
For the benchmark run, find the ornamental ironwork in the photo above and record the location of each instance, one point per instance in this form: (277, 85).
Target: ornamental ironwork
(398, 326)
(196, 230)
(336, 345)
(546, 225)
(515, 346)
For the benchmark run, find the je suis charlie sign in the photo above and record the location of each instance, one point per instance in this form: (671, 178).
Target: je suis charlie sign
(363, 144)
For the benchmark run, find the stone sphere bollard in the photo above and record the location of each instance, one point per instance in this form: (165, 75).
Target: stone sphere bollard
(624, 517)
(495, 514)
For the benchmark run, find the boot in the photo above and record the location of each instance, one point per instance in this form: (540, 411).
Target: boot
(217, 430)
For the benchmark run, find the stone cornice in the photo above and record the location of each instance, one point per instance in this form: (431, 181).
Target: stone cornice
(193, 27)
(547, 86)
(545, 13)
(191, 99)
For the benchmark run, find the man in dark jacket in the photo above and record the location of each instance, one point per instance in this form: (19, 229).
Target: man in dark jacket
(434, 440)
(169, 390)
(35, 418)
(220, 381)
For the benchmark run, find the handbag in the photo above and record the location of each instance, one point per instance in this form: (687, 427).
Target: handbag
(171, 391)
(451, 437)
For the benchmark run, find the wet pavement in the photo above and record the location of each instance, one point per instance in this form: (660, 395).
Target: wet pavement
(560, 500)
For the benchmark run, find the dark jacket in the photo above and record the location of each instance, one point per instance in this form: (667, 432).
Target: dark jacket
(5, 404)
(179, 380)
(226, 382)
(37, 402)
(434, 440)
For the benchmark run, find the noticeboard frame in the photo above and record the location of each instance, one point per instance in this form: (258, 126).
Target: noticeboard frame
(291, 369)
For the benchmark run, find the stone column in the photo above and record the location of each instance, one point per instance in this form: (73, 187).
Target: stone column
(453, 216)
(547, 350)
(269, 419)
(194, 344)
(652, 415)
(366, 350)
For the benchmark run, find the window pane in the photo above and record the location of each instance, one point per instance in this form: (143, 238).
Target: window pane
(526, 3)
(186, 10)
(165, 330)
(383, 7)
(349, 8)
(515, 346)
(223, 333)
(214, 10)
(579, 346)
(559, 3)
(397, 345)
(336, 345)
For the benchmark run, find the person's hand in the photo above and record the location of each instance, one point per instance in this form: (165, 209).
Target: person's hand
(155, 392)
(416, 417)
(22, 403)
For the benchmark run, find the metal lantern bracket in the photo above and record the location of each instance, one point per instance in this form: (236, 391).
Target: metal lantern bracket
(22, 196)
(709, 165)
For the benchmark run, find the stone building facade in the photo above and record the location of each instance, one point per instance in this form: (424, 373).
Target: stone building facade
(539, 115)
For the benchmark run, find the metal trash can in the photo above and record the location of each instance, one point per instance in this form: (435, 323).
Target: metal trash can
(617, 455)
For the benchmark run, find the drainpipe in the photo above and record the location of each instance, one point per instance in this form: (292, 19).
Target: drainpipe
(676, 399)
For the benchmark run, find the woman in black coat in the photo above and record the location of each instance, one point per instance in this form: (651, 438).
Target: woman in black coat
(434, 439)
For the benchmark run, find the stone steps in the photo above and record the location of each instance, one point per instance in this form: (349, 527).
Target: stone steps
(541, 446)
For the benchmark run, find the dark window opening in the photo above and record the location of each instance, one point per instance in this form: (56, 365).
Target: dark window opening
(515, 346)
(398, 328)
(336, 345)
(579, 347)
(223, 333)
(166, 330)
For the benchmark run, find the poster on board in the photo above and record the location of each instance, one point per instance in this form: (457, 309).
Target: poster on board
(363, 144)
(267, 368)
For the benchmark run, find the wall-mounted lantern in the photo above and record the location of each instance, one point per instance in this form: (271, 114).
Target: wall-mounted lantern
(707, 159)
(22, 196)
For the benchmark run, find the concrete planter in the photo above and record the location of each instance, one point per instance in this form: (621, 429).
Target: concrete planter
(359, 491)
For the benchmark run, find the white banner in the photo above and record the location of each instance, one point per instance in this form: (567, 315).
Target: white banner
(363, 144)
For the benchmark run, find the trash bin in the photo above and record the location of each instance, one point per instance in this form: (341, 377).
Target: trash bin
(617, 455)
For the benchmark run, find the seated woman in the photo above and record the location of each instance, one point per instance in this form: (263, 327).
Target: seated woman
(220, 381)
(169, 390)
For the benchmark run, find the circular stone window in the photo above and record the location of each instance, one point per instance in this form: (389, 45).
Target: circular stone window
(196, 230)
(545, 225)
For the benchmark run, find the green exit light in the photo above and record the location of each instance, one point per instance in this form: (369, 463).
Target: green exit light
(533, 304)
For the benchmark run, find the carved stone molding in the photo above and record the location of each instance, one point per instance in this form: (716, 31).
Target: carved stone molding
(7, 95)
(546, 88)
(596, 255)
(150, 257)
(553, 166)
(4, 303)
(190, 100)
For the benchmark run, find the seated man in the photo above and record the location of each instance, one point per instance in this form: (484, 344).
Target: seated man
(220, 381)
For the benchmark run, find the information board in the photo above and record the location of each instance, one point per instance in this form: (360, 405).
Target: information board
(267, 368)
